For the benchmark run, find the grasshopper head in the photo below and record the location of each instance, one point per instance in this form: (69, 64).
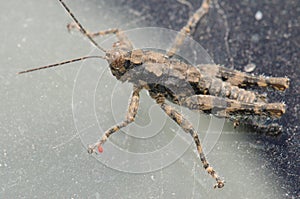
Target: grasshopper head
(118, 59)
(122, 58)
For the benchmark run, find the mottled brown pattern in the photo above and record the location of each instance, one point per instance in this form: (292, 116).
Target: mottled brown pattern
(236, 78)
(205, 88)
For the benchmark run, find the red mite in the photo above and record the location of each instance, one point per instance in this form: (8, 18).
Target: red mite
(100, 149)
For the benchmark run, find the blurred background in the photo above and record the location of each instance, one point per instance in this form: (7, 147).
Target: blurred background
(43, 147)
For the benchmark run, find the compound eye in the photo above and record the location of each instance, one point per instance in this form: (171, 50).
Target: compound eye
(115, 56)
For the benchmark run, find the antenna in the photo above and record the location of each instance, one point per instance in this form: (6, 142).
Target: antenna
(61, 63)
(82, 29)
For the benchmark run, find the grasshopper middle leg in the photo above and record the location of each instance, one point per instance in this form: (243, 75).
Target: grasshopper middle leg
(188, 128)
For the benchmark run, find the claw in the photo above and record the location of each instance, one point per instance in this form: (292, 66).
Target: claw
(91, 149)
(236, 123)
(220, 184)
(71, 26)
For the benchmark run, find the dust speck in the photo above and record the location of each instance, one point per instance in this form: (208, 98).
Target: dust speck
(249, 67)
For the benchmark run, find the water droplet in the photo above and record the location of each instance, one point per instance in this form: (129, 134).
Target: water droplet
(258, 15)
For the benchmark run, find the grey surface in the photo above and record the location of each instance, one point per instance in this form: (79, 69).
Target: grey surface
(42, 153)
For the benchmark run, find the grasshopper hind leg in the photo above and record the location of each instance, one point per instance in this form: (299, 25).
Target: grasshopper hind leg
(261, 125)
(253, 114)
(242, 79)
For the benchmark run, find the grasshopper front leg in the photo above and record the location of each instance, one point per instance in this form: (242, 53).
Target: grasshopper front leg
(122, 38)
(130, 117)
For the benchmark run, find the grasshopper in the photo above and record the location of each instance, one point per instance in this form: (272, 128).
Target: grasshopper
(206, 88)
